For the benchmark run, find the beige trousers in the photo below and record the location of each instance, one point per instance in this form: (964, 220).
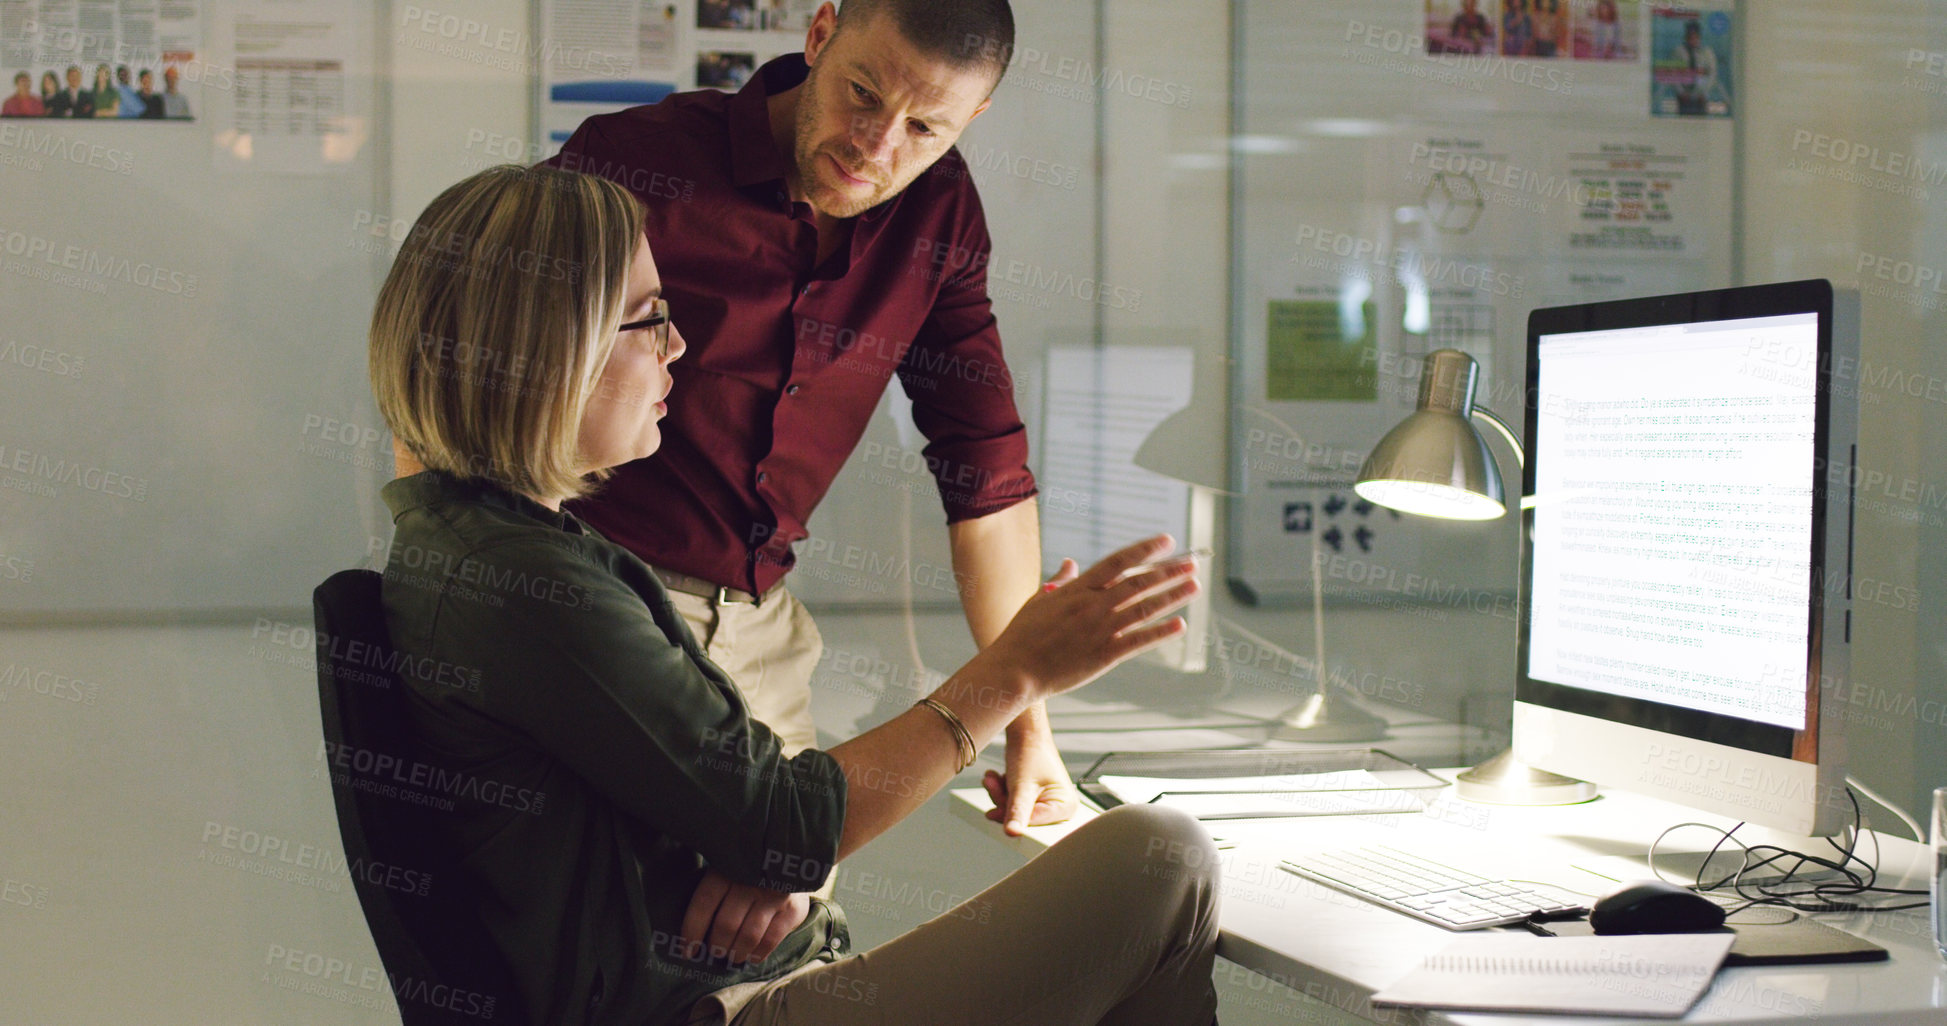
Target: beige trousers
(1116, 925)
(770, 651)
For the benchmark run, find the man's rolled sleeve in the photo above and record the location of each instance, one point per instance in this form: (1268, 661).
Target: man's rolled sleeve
(583, 668)
(963, 394)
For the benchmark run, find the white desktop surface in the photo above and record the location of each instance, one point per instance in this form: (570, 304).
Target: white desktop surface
(1340, 950)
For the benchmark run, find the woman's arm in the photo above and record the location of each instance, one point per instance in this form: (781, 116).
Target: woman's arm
(1061, 639)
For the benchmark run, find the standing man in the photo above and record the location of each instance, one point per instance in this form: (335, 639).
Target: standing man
(132, 105)
(818, 234)
(174, 104)
(74, 101)
(146, 94)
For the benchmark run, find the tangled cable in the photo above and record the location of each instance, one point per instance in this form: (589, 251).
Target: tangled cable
(1789, 891)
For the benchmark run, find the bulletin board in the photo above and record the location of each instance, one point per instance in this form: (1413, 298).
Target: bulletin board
(1421, 174)
(186, 300)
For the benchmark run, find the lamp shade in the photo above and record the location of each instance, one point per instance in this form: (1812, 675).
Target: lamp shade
(1434, 463)
(1171, 449)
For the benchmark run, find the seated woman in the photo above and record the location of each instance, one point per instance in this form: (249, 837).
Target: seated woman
(657, 871)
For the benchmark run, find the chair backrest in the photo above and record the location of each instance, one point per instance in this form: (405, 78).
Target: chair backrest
(422, 911)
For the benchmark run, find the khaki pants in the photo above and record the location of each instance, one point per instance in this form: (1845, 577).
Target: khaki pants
(1116, 925)
(770, 651)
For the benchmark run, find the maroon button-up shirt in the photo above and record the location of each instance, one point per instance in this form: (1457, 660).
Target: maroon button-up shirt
(787, 359)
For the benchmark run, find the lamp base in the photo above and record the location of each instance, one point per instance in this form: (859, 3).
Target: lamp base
(1323, 717)
(1506, 780)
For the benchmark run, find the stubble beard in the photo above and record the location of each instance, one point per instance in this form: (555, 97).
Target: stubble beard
(807, 161)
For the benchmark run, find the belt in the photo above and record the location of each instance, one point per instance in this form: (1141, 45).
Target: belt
(716, 593)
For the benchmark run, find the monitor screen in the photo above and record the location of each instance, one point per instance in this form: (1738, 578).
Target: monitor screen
(1673, 514)
(1687, 569)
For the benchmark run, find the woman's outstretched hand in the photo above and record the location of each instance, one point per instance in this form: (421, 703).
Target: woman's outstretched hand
(1082, 623)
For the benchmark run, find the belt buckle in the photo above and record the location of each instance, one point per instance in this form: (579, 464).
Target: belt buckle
(723, 597)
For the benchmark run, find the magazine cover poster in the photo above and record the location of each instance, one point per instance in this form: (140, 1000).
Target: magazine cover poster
(1608, 30)
(1460, 26)
(1536, 28)
(1690, 54)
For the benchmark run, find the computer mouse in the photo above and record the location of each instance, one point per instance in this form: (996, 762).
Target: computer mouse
(1652, 906)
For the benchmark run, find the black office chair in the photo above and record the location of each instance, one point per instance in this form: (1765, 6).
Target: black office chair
(435, 950)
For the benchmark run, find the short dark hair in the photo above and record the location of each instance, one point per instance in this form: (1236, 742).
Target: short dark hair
(964, 33)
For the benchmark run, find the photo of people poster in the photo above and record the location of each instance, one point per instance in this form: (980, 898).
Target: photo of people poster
(125, 62)
(1690, 62)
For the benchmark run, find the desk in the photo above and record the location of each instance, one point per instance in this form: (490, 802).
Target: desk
(1339, 950)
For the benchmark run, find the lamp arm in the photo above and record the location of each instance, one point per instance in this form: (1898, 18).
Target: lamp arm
(1507, 434)
(1520, 459)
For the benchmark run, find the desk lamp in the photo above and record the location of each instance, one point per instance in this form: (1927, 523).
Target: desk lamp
(1324, 716)
(1435, 464)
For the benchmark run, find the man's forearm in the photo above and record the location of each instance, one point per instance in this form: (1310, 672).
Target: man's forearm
(997, 564)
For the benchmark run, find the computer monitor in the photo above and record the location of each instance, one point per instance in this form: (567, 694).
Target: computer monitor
(1688, 566)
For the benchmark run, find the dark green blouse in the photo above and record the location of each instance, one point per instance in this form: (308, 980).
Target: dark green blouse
(621, 760)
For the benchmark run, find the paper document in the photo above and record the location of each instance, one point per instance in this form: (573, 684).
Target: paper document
(1654, 975)
(1137, 790)
(1269, 804)
(1335, 793)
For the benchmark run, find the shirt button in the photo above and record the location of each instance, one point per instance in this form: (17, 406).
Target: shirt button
(790, 390)
(763, 476)
(806, 291)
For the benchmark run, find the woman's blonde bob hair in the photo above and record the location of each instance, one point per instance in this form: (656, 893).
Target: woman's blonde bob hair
(494, 324)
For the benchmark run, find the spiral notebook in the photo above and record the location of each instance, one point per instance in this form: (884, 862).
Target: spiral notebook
(1655, 975)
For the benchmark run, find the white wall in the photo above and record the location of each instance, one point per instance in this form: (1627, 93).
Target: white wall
(1831, 92)
(217, 317)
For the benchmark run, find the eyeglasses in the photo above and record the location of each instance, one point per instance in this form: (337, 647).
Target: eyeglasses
(658, 319)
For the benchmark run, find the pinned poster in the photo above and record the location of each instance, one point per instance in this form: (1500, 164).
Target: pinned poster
(601, 56)
(291, 108)
(1321, 349)
(1690, 62)
(128, 63)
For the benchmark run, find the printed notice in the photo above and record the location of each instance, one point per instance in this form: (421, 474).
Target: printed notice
(1630, 199)
(289, 110)
(1318, 349)
(1102, 405)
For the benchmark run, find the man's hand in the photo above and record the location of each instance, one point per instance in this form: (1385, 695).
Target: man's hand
(744, 922)
(1035, 789)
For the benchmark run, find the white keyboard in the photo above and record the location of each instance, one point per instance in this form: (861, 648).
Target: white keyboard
(1427, 890)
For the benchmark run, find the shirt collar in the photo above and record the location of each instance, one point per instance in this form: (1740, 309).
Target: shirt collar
(432, 487)
(754, 159)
